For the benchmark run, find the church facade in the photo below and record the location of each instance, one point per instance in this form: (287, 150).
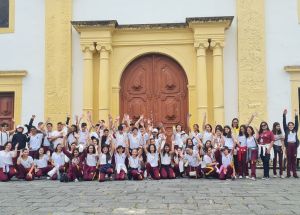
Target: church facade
(162, 59)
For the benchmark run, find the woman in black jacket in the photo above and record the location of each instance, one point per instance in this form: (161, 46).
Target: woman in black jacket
(291, 142)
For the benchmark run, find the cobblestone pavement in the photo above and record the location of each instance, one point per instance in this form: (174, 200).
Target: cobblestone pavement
(180, 196)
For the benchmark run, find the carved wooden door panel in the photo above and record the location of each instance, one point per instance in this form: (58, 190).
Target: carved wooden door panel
(7, 108)
(156, 86)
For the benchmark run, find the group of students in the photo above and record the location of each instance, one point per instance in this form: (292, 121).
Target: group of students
(138, 150)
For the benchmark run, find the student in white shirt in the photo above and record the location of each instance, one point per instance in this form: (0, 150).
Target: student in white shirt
(134, 164)
(278, 148)
(209, 164)
(242, 152)
(135, 139)
(58, 162)
(105, 161)
(152, 168)
(90, 165)
(227, 167)
(4, 135)
(7, 170)
(121, 169)
(166, 154)
(34, 142)
(57, 136)
(41, 163)
(192, 163)
(25, 166)
(47, 144)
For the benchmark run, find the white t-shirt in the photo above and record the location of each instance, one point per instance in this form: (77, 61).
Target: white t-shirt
(42, 162)
(152, 159)
(291, 137)
(250, 142)
(71, 138)
(134, 162)
(134, 141)
(207, 160)
(226, 160)
(48, 135)
(192, 159)
(27, 163)
(144, 138)
(58, 158)
(207, 136)
(165, 159)
(228, 142)
(242, 140)
(83, 137)
(35, 141)
(178, 139)
(91, 159)
(194, 135)
(6, 158)
(58, 140)
(121, 139)
(278, 138)
(4, 137)
(120, 158)
(103, 159)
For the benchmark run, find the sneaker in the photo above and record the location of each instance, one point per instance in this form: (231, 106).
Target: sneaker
(282, 176)
(253, 178)
(247, 177)
(48, 178)
(288, 176)
(145, 174)
(76, 180)
(240, 177)
(274, 176)
(296, 176)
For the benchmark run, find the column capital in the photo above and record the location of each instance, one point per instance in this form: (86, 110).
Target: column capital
(201, 44)
(103, 47)
(87, 47)
(217, 44)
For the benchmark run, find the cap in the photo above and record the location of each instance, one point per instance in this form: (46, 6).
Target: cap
(20, 126)
(155, 130)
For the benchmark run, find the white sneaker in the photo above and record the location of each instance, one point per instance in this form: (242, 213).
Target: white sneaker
(282, 176)
(76, 180)
(247, 177)
(240, 177)
(145, 174)
(253, 178)
(263, 178)
(274, 176)
(48, 178)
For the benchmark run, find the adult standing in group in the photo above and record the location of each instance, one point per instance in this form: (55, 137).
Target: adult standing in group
(291, 143)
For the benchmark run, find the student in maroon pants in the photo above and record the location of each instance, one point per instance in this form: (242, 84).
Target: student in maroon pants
(25, 166)
(7, 170)
(291, 142)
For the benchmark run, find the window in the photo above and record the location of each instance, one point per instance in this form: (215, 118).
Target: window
(7, 10)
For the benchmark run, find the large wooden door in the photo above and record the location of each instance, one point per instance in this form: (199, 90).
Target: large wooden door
(156, 86)
(7, 108)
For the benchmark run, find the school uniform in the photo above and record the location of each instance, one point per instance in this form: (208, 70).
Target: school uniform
(152, 165)
(7, 169)
(242, 156)
(178, 140)
(4, 138)
(42, 166)
(216, 150)
(75, 168)
(265, 138)
(252, 154)
(24, 168)
(193, 164)
(35, 143)
(208, 169)
(207, 136)
(105, 167)
(135, 171)
(178, 165)
(291, 142)
(121, 139)
(166, 170)
(58, 163)
(120, 166)
(226, 170)
(278, 151)
(57, 140)
(89, 169)
(134, 141)
(47, 145)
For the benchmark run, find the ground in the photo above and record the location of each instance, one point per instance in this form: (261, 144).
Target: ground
(180, 196)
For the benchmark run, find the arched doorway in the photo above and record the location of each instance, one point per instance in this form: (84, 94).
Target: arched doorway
(155, 85)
